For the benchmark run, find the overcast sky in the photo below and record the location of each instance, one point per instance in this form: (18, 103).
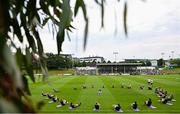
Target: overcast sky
(153, 28)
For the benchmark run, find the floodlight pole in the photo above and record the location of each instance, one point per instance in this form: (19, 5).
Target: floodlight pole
(172, 54)
(115, 54)
(124, 69)
(162, 54)
(72, 60)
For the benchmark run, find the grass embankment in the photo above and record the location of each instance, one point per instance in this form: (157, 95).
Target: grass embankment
(170, 71)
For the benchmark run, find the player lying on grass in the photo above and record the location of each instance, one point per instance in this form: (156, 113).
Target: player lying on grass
(165, 100)
(50, 96)
(129, 87)
(141, 87)
(171, 98)
(62, 103)
(149, 103)
(96, 107)
(134, 106)
(163, 95)
(44, 94)
(149, 87)
(103, 86)
(157, 89)
(150, 81)
(122, 86)
(54, 99)
(160, 92)
(99, 92)
(84, 87)
(73, 106)
(117, 108)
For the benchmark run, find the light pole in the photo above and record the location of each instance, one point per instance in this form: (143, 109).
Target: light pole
(72, 60)
(162, 54)
(115, 54)
(172, 52)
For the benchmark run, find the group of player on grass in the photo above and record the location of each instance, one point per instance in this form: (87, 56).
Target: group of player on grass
(116, 107)
(165, 98)
(112, 86)
(163, 95)
(54, 99)
(150, 83)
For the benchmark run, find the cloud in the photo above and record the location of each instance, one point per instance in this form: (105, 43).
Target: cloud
(145, 17)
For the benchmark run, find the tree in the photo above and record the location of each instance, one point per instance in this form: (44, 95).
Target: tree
(84, 64)
(148, 63)
(175, 62)
(143, 63)
(77, 64)
(20, 19)
(161, 63)
(55, 61)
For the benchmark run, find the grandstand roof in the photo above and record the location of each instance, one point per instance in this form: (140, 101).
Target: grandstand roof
(119, 64)
(91, 57)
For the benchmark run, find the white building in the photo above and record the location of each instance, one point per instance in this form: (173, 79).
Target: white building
(91, 59)
(86, 70)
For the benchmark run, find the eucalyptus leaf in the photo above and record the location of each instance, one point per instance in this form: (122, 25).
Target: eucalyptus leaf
(26, 86)
(60, 40)
(86, 33)
(125, 18)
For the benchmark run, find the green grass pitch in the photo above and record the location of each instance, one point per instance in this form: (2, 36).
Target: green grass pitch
(88, 97)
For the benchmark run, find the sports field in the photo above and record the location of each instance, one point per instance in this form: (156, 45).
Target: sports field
(88, 97)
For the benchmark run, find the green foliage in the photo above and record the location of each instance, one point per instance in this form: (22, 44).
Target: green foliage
(148, 63)
(80, 3)
(84, 64)
(175, 62)
(161, 63)
(58, 61)
(101, 4)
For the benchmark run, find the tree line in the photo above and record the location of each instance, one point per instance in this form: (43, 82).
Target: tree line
(60, 62)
